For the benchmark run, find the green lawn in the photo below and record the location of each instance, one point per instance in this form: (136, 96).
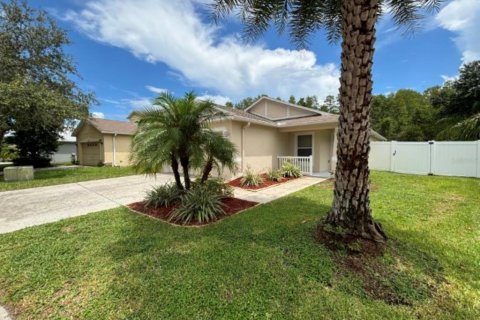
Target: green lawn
(261, 264)
(61, 176)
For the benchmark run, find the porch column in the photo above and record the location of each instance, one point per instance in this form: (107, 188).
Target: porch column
(333, 159)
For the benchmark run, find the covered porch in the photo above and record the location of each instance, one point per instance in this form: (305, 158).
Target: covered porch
(313, 151)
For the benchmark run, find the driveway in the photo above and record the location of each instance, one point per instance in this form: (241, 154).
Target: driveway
(29, 207)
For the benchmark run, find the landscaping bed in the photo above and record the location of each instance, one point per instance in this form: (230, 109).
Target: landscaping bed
(237, 183)
(230, 206)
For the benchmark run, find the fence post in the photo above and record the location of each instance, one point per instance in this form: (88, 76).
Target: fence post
(311, 165)
(432, 157)
(478, 158)
(393, 151)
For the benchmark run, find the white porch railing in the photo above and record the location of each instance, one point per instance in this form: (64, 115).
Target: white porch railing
(304, 163)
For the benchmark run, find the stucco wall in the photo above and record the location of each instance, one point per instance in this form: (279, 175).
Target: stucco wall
(122, 149)
(262, 146)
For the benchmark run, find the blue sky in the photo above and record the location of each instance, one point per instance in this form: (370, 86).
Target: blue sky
(128, 51)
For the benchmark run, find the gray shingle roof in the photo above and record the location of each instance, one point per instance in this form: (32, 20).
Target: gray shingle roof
(113, 126)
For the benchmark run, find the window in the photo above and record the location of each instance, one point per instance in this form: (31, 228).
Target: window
(304, 145)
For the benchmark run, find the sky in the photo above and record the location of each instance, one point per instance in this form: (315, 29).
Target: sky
(129, 51)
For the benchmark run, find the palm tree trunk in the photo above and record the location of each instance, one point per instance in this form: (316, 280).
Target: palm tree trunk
(176, 174)
(184, 161)
(351, 205)
(206, 170)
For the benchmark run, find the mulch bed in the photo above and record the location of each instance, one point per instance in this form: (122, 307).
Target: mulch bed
(231, 206)
(266, 183)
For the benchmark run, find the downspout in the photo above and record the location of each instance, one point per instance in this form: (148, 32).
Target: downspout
(245, 126)
(114, 146)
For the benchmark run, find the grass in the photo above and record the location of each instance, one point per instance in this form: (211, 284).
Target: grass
(61, 176)
(261, 264)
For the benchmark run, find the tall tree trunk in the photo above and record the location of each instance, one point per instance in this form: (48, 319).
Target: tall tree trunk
(206, 170)
(184, 161)
(176, 174)
(351, 204)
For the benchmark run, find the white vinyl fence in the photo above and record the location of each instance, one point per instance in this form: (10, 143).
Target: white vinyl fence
(446, 158)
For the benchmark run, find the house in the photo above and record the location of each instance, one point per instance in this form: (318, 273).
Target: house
(271, 131)
(266, 134)
(102, 141)
(67, 148)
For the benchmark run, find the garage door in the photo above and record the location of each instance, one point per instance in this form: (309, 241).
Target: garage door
(90, 154)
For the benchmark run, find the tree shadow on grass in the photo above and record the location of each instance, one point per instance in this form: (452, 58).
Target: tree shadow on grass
(154, 260)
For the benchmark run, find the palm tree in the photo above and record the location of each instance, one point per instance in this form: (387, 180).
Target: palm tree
(219, 152)
(354, 22)
(172, 131)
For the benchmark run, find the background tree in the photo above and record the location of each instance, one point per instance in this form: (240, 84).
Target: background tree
(353, 21)
(248, 101)
(35, 72)
(330, 104)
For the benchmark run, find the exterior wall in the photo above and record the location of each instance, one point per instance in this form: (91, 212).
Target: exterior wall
(262, 146)
(88, 134)
(64, 152)
(278, 110)
(122, 149)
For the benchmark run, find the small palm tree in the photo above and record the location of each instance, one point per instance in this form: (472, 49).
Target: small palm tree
(172, 131)
(219, 152)
(354, 22)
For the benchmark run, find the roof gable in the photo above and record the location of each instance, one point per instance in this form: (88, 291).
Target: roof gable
(274, 109)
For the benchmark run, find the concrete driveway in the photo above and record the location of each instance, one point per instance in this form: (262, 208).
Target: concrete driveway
(29, 207)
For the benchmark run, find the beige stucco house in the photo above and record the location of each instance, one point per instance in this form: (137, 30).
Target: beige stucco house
(272, 131)
(104, 141)
(266, 134)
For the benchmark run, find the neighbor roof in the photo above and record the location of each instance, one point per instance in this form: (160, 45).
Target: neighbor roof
(110, 126)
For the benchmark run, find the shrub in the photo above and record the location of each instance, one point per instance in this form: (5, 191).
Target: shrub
(201, 204)
(251, 179)
(217, 186)
(274, 175)
(41, 162)
(290, 170)
(163, 196)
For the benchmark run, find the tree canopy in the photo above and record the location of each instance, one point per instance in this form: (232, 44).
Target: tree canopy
(35, 72)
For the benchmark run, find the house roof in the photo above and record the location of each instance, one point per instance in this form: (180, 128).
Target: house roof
(110, 126)
(320, 119)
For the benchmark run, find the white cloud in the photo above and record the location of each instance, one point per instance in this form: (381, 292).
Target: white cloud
(215, 98)
(156, 89)
(172, 32)
(463, 18)
(448, 78)
(98, 115)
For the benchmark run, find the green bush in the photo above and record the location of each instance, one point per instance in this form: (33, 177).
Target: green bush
(217, 186)
(200, 204)
(251, 179)
(290, 170)
(274, 175)
(163, 196)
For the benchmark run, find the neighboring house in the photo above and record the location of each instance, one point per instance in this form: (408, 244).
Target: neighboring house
(67, 146)
(102, 141)
(265, 134)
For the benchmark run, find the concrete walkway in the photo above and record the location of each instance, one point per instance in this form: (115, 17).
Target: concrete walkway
(35, 206)
(4, 314)
(29, 207)
(278, 191)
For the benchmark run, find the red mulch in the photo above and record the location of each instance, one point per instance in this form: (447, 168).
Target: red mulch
(266, 183)
(231, 206)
